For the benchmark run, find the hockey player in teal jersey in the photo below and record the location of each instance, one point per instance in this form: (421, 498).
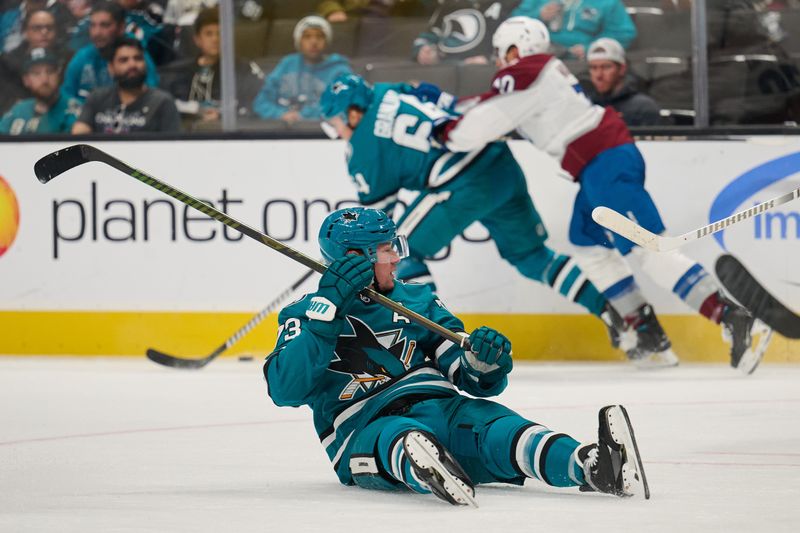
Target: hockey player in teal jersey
(48, 111)
(389, 150)
(385, 391)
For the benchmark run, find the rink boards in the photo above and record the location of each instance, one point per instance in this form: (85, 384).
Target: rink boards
(98, 263)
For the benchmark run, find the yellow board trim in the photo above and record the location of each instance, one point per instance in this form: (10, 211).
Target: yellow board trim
(196, 334)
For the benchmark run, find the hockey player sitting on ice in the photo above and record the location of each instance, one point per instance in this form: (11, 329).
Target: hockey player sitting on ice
(534, 93)
(385, 391)
(388, 129)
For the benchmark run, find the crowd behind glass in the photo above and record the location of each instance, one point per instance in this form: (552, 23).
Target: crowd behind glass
(120, 66)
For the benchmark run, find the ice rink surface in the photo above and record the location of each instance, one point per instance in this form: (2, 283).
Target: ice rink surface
(105, 445)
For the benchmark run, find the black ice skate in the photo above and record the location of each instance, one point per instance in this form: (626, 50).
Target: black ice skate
(738, 327)
(438, 469)
(621, 335)
(653, 348)
(613, 465)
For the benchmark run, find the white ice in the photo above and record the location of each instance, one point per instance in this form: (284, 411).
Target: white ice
(105, 444)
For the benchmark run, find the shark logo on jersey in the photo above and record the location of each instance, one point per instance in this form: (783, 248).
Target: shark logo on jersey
(370, 358)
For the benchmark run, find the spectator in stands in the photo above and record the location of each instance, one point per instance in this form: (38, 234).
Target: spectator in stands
(340, 10)
(11, 27)
(611, 87)
(78, 34)
(48, 111)
(195, 82)
(142, 19)
(292, 90)
(574, 24)
(461, 30)
(88, 69)
(129, 105)
(39, 31)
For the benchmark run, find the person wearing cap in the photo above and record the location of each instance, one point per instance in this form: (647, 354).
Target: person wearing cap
(611, 87)
(574, 24)
(48, 111)
(292, 90)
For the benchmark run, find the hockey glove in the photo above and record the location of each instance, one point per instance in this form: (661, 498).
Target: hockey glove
(489, 360)
(338, 289)
(428, 92)
(441, 131)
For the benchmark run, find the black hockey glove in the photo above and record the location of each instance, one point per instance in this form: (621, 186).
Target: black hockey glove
(490, 357)
(338, 289)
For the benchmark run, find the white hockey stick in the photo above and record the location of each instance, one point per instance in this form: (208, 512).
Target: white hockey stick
(618, 223)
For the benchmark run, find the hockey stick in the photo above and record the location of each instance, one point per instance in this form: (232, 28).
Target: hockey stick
(178, 362)
(58, 162)
(618, 223)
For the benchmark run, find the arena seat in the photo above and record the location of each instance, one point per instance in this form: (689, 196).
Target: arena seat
(751, 89)
(665, 33)
(296, 9)
(389, 37)
(250, 38)
(790, 22)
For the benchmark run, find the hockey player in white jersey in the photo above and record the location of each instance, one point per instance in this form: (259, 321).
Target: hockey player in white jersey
(535, 94)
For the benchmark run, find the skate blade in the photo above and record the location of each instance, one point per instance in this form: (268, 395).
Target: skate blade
(753, 356)
(425, 455)
(657, 360)
(633, 476)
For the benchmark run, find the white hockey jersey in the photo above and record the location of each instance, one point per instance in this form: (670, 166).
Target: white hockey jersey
(540, 98)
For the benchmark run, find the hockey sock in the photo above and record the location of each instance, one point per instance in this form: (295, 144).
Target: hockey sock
(625, 296)
(535, 452)
(678, 273)
(713, 308)
(562, 273)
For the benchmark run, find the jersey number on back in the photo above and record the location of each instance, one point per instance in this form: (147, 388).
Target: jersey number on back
(504, 84)
(417, 139)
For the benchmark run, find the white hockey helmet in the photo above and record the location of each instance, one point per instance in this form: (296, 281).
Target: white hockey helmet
(529, 35)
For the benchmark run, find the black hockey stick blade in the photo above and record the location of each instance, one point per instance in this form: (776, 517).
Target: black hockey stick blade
(56, 163)
(177, 362)
(743, 286)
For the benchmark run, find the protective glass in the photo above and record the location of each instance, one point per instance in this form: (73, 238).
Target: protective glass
(397, 247)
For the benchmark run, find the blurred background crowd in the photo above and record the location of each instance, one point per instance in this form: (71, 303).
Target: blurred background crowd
(130, 66)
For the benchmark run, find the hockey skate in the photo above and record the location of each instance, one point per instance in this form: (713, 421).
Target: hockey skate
(653, 348)
(622, 336)
(738, 328)
(436, 468)
(613, 465)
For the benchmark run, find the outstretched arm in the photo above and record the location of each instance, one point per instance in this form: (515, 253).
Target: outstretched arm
(488, 121)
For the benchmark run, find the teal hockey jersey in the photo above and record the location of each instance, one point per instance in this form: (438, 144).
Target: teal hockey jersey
(390, 149)
(379, 358)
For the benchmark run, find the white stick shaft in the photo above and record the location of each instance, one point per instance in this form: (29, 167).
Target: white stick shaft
(618, 223)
